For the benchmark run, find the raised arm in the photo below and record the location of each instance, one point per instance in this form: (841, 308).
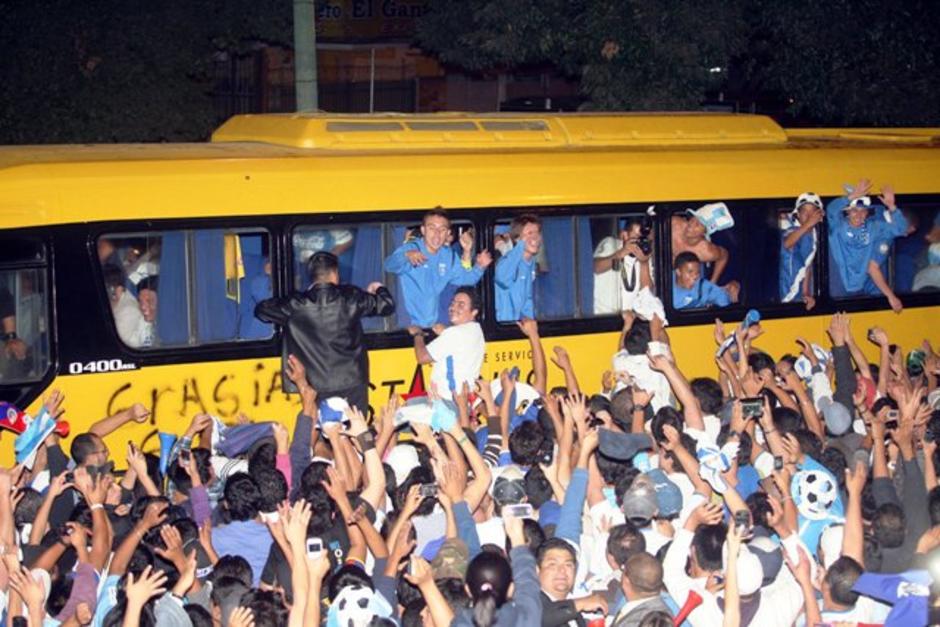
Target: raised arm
(530, 328)
(853, 540)
(563, 361)
(136, 412)
(374, 491)
(421, 349)
(691, 410)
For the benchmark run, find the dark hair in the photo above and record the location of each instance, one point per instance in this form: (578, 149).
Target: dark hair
(621, 406)
(538, 489)
(321, 265)
(525, 443)
(624, 542)
(180, 477)
(834, 461)
(419, 475)
(644, 572)
(786, 419)
(554, 543)
(273, 487)
(262, 454)
(684, 258)
(933, 505)
(759, 360)
(841, 576)
(810, 443)
(268, 607)
(708, 393)
(113, 275)
(533, 533)
(881, 403)
(758, 503)
(242, 497)
(888, 525)
(148, 283)
(436, 212)
(707, 545)
(520, 222)
(488, 578)
(232, 567)
(666, 415)
(453, 591)
(624, 484)
(83, 446)
(473, 295)
(59, 591)
(198, 615)
(312, 478)
(612, 470)
(348, 575)
(637, 339)
(27, 508)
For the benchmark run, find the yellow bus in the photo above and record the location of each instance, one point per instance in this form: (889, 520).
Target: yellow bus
(201, 232)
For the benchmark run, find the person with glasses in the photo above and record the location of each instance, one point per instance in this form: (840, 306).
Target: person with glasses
(860, 234)
(427, 265)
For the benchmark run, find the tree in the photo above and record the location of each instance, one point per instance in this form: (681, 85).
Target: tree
(105, 71)
(629, 54)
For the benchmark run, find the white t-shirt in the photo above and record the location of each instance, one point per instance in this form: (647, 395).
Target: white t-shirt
(131, 326)
(463, 343)
(611, 293)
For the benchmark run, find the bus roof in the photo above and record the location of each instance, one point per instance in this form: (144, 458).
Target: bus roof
(287, 163)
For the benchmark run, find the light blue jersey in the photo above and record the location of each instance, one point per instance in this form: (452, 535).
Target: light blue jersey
(703, 294)
(851, 248)
(515, 281)
(422, 286)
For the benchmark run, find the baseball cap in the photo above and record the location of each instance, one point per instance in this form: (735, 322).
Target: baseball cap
(668, 494)
(403, 458)
(622, 446)
(451, 559)
(808, 197)
(750, 571)
(770, 555)
(640, 504)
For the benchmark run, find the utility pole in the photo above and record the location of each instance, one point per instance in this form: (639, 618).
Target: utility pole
(305, 55)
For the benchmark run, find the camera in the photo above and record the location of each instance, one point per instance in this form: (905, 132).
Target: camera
(645, 241)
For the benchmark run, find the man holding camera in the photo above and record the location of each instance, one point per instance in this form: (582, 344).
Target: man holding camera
(622, 267)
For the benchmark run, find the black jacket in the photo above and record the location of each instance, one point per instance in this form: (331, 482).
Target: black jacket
(322, 328)
(559, 613)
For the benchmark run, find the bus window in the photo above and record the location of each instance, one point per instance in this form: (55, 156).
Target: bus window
(620, 263)
(706, 257)
(537, 284)
(25, 323)
(403, 233)
(917, 254)
(188, 287)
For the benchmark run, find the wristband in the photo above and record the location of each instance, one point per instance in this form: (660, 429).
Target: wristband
(366, 441)
(463, 439)
(8, 336)
(95, 506)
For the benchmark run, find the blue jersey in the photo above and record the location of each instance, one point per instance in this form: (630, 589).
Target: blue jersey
(421, 286)
(795, 263)
(703, 294)
(515, 281)
(851, 248)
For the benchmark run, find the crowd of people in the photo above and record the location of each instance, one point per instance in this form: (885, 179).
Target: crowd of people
(797, 489)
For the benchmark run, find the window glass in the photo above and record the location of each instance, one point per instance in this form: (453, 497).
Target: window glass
(186, 287)
(615, 261)
(534, 276)
(707, 256)
(25, 324)
(916, 260)
(872, 251)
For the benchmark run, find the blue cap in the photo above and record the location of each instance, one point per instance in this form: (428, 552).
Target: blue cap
(668, 494)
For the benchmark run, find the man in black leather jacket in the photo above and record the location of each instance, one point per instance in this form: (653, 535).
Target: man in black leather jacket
(322, 328)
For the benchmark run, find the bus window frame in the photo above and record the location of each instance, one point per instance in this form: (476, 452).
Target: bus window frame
(21, 393)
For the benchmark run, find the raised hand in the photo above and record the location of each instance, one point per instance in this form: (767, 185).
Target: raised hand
(295, 528)
(242, 617)
(887, 197)
(30, 590)
(705, 514)
(415, 257)
(855, 479)
(529, 327)
(173, 542)
(484, 259)
(861, 189)
(357, 423)
(198, 424)
(419, 572)
(142, 589)
(139, 413)
(53, 403)
(155, 514)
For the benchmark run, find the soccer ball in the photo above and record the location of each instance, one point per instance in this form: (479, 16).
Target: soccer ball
(816, 491)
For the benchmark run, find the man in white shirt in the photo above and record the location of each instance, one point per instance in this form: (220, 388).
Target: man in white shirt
(457, 352)
(132, 326)
(621, 268)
